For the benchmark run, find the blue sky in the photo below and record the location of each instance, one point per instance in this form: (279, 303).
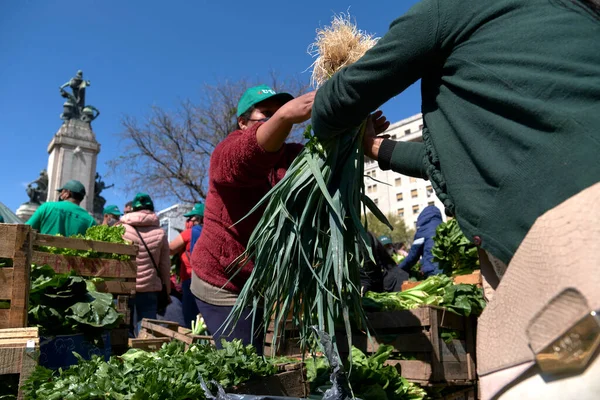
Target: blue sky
(143, 53)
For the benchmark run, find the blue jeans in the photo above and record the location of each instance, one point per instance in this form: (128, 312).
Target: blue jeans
(214, 316)
(146, 306)
(188, 303)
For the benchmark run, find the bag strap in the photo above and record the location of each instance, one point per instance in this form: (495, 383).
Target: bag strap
(149, 253)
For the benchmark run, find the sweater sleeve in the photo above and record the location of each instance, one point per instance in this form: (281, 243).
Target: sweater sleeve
(397, 60)
(403, 157)
(239, 160)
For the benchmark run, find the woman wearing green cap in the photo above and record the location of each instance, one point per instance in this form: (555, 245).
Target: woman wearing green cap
(142, 228)
(243, 168)
(184, 245)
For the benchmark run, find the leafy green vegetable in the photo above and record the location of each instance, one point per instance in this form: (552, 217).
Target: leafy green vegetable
(455, 254)
(370, 378)
(66, 304)
(170, 373)
(464, 299)
(436, 290)
(101, 233)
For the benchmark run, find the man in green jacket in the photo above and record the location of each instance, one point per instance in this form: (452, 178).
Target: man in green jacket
(510, 100)
(64, 217)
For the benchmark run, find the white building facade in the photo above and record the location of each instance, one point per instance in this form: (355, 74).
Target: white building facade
(172, 220)
(400, 194)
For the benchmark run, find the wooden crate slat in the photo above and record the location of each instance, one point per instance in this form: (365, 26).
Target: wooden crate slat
(15, 244)
(83, 244)
(410, 342)
(399, 319)
(18, 354)
(18, 333)
(450, 320)
(13, 237)
(6, 283)
(155, 329)
(88, 267)
(290, 384)
(412, 369)
(151, 344)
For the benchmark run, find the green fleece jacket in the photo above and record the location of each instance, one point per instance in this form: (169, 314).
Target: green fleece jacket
(511, 105)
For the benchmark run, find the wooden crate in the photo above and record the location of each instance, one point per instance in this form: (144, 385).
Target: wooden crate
(288, 340)
(15, 247)
(417, 333)
(472, 279)
(118, 275)
(290, 381)
(18, 353)
(154, 333)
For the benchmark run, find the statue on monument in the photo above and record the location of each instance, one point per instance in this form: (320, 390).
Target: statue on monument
(99, 201)
(38, 189)
(75, 107)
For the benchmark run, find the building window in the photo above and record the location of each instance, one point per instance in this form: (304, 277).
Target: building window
(413, 180)
(398, 181)
(431, 203)
(369, 189)
(407, 132)
(394, 137)
(421, 127)
(429, 190)
(399, 197)
(400, 212)
(374, 188)
(374, 173)
(376, 201)
(414, 194)
(415, 209)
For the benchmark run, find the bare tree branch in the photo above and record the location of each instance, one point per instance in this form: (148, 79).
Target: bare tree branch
(167, 154)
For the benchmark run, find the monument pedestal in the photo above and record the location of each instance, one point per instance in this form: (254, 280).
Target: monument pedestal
(26, 210)
(73, 155)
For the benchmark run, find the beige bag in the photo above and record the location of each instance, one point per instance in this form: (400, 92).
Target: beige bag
(529, 333)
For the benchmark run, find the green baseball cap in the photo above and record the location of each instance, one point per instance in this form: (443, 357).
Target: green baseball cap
(256, 94)
(73, 186)
(197, 210)
(142, 200)
(112, 210)
(385, 240)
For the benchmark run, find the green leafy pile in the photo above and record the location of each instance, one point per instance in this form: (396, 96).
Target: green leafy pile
(369, 378)
(454, 253)
(100, 233)
(66, 304)
(170, 373)
(437, 290)
(428, 292)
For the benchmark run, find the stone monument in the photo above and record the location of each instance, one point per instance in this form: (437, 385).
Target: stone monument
(37, 192)
(74, 150)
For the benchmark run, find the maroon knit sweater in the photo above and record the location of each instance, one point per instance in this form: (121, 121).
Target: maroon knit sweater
(241, 173)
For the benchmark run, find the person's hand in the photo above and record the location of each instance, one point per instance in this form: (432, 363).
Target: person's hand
(377, 123)
(297, 110)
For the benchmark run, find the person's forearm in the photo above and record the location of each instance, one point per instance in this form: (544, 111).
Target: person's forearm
(272, 134)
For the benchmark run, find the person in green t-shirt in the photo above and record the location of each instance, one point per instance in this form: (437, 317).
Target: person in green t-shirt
(65, 216)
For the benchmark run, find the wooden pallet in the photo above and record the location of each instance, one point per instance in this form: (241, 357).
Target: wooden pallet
(154, 333)
(19, 348)
(15, 247)
(471, 279)
(418, 333)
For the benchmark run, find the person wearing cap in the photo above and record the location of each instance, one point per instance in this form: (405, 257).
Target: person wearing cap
(387, 243)
(427, 223)
(184, 245)
(142, 228)
(381, 274)
(128, 208)
(112, 214)
(243, 168)
(63, 217)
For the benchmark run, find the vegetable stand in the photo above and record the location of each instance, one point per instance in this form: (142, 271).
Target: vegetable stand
(473, 278)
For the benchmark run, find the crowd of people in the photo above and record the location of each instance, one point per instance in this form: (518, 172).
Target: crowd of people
(510, 93)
